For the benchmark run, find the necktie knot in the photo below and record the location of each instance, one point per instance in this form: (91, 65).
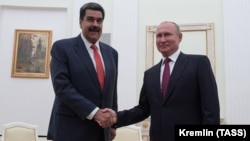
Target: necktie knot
(167, 60)
(94, 47)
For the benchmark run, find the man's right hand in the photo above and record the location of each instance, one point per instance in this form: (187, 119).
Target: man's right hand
(105, 117)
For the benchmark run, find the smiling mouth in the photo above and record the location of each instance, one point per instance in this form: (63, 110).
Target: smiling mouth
(94, 33)
(164, 46)
(94, 29)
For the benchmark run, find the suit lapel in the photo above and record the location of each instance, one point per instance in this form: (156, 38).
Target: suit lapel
(83, 54)
(156, 81)
(178, 69)
(106, 59)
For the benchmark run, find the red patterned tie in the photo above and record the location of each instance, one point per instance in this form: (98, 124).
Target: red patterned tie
(99, 66)
(165, 78)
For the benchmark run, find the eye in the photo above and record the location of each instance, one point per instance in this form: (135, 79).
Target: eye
(90, 19)
(158, 35)
(99, 20)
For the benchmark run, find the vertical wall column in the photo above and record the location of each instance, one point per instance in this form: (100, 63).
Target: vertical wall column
(237, 66)
(124, 39)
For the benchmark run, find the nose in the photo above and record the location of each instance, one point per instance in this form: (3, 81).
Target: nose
(94, 23)
(163, 39)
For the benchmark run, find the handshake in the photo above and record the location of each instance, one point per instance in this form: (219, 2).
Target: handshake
(105, 117)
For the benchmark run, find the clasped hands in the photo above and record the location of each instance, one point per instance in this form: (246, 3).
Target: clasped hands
(105, 117)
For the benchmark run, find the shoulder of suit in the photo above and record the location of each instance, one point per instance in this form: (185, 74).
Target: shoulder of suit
(194, 56)
(67, 39)
(154, 68)
(104, 44)
(107, 46)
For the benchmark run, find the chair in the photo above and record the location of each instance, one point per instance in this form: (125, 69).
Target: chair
(19, 131)
(128, 133)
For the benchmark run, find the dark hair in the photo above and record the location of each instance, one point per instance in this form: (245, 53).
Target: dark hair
(92, 6)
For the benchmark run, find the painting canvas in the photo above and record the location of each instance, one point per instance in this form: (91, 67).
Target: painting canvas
(31, 53)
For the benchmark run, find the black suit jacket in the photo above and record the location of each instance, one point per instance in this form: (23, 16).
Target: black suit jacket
(191, 98)
(78, 92)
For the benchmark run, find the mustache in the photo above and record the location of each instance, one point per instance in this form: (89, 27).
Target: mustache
(94, 29)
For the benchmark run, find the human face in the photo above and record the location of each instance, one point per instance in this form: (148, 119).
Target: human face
(167, 38)
(91, 25)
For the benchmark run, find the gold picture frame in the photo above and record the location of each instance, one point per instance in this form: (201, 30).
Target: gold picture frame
(31, 53)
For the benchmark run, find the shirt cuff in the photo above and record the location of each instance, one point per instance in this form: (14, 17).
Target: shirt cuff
(92, 114)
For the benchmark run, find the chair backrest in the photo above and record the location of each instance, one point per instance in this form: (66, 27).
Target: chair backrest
(19, 131)
(128, 133)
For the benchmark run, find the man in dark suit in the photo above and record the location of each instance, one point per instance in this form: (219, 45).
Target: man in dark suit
(191, 96)
(79, 96)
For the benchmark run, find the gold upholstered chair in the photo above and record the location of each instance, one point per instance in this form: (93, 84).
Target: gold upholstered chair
(19, 131)
(128, 133)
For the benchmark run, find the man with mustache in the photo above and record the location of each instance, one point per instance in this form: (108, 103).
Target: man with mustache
(84, 77)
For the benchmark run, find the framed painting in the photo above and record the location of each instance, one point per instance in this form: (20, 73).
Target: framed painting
(31, 55)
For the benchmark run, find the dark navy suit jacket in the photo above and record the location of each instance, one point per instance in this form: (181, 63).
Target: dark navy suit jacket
(191, 98)
(77, 91)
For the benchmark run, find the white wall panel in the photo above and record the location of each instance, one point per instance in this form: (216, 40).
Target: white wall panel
(124, 39)
(237, 66)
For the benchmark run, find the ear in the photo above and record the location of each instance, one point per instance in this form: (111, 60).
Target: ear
(180, 36)
(80, 23)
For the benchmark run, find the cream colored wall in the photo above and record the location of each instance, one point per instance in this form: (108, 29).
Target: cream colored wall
(46, 4)
(182, 12)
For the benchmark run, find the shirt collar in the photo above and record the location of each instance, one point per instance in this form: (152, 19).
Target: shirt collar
(88, 44)
(172, 57)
